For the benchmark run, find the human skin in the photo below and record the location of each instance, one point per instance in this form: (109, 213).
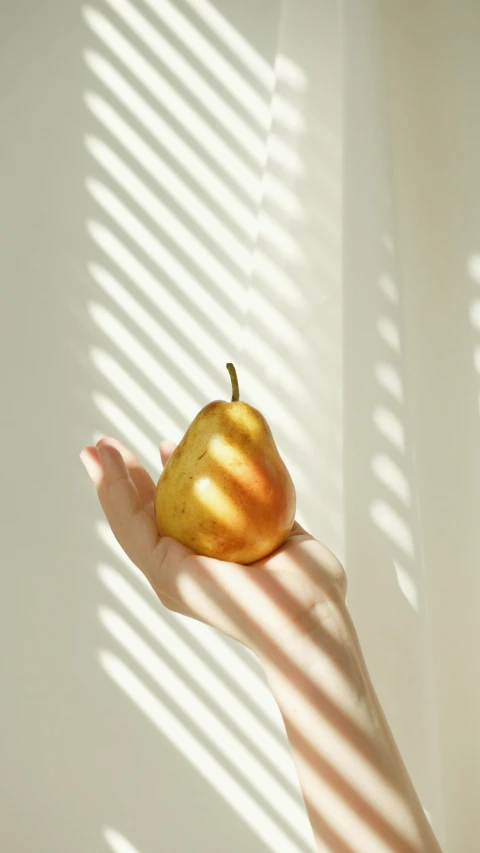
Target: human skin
(290, 610)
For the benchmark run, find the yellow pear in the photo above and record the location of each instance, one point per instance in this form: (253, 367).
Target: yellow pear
(225, 492)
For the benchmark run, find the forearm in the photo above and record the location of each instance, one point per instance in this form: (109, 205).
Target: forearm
(357, 791)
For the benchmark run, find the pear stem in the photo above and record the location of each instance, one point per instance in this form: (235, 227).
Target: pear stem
(234, 381)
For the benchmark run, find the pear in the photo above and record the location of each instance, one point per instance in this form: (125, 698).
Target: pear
(225, 492)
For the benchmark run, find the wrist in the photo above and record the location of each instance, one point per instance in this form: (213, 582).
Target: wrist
(324, 638)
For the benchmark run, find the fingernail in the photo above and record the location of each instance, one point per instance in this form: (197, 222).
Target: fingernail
(110, 459)
(103, 451)
(89, 463)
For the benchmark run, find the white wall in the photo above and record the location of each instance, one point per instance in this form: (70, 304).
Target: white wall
(411, 210)
(384, 556)
(438, 192)
(92, 748)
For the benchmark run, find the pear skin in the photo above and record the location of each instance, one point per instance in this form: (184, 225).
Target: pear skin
(225, 491)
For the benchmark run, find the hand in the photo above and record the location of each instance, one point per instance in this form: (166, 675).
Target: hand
(289, 608)
(266, 604)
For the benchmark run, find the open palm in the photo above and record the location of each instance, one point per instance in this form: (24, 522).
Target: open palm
(262, 604)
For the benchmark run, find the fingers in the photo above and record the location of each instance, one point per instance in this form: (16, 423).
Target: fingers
(122, 485)
(166, 450)
(132, 526)
(141, 478)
